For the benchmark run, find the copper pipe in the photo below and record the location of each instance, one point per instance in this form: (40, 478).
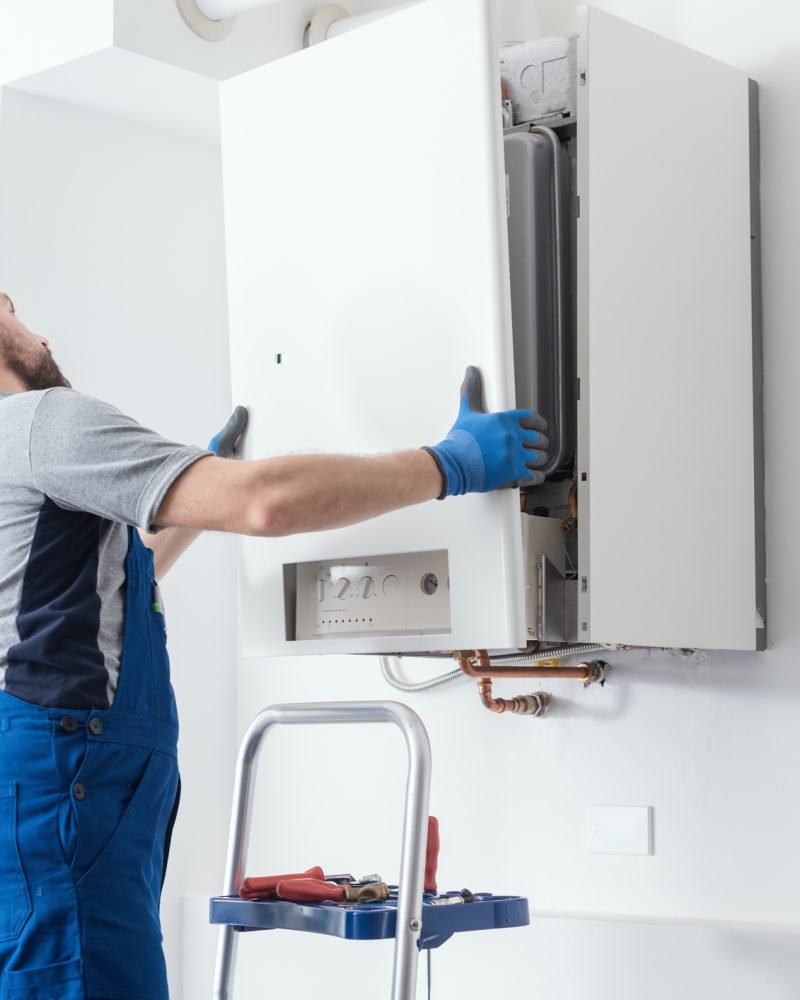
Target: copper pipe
(526, 704)
(483, 667)
(572, 501)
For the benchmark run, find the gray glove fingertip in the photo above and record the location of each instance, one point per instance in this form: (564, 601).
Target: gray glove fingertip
(472, 389)
(536, 459)
(232, 432)
(240, 418)
(540, 443)
(535, 422)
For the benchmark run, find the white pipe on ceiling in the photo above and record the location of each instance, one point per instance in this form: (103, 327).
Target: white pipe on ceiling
(357, 20)
(218, 10)
(518, 19)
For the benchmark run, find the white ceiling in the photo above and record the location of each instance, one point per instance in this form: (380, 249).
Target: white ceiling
(132, 87)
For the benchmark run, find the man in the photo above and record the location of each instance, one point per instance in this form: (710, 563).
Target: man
(88, 725)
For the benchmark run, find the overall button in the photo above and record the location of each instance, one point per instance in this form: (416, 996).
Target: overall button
(95, 726)
(78, 791)
(68, 724)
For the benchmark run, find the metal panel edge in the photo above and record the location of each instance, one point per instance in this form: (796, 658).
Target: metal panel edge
(582, 360)
(758, 371)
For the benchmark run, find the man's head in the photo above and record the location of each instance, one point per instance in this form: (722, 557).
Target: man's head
(25, 359)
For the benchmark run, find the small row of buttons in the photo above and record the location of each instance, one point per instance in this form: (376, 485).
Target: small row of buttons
(69, 724)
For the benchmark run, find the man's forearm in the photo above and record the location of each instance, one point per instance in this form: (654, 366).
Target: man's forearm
(336, 490)
(296, 493)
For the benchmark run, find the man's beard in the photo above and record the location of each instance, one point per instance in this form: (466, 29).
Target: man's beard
(45, 374)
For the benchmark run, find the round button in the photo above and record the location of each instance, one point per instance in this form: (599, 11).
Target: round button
(78, 791)
(68, 724)
(95, 726)
(390, 584)
(429, 584)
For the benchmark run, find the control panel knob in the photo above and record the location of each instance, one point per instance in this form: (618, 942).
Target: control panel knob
(366, 587)
(342, 588)
(390, 584)
(320, 589)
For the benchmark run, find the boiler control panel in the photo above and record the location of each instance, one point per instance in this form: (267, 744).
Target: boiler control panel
(403, 594)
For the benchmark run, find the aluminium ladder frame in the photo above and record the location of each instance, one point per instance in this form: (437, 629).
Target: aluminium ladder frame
(415, 824)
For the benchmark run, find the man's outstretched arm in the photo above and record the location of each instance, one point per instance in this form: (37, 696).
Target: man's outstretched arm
(299, 493)
(285, 496)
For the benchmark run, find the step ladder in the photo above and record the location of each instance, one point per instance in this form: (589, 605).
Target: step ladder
(414, 922)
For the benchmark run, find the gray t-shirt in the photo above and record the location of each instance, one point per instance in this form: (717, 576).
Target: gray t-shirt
(74, 473)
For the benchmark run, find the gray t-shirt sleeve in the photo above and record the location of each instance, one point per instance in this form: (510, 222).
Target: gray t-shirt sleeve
(86, 455)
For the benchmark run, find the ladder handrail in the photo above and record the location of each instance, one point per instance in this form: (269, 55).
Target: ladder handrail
(415, 823)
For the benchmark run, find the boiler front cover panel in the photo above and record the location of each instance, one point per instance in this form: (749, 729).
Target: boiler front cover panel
(367, 267)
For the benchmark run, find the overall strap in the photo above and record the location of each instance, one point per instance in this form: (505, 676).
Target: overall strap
(144, 688)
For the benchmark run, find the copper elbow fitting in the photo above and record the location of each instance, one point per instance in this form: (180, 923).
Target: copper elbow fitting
(527, 704)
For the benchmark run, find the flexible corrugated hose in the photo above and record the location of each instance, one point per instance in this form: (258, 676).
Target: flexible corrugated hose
(388, 663)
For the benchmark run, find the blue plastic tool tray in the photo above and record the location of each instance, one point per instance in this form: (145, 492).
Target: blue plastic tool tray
(371, 921)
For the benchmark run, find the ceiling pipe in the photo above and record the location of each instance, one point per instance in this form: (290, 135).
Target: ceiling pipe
(518, 20)
(332, 19)
(209, 28)
(342, 25)
(217, 10)
(214, 19)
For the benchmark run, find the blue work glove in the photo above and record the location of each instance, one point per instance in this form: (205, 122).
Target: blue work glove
(485, 451)
(225, 443)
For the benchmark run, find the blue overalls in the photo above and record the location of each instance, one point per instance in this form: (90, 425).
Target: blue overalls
(87, 801)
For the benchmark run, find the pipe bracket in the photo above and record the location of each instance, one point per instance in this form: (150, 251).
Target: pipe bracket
(205, 27)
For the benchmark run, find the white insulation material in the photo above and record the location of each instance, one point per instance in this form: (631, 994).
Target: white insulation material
(541, 77)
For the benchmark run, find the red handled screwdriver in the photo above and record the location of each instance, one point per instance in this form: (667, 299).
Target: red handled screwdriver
(264, 887)
(432, 855)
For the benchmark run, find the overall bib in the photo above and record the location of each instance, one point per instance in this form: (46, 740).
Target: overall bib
(87, 801)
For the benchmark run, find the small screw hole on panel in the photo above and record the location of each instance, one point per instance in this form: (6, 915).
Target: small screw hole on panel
(429, 584)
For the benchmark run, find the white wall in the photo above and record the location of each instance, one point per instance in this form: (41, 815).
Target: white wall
(712, 743)
(111, 245)
(95, 219)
